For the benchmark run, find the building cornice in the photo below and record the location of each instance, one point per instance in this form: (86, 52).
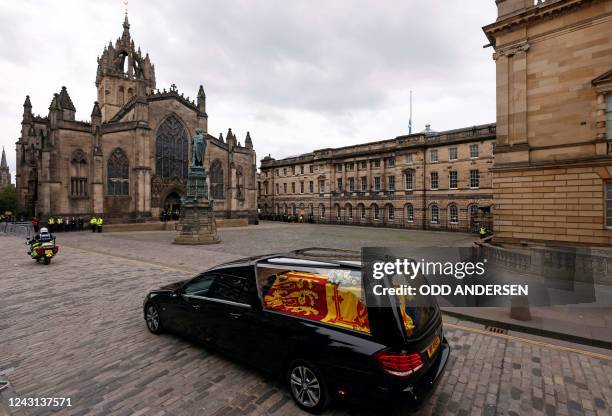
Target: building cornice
(592, 161)
(538, 12)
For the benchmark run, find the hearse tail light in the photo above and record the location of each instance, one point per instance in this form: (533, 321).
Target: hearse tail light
(399, 364)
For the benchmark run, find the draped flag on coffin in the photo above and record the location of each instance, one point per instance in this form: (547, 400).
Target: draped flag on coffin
(312, 296)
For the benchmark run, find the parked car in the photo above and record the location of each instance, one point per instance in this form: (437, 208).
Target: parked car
(304, 317)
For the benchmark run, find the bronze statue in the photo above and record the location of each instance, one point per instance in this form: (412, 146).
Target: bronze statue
(198, 148)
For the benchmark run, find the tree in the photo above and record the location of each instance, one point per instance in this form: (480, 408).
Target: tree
(8, 199)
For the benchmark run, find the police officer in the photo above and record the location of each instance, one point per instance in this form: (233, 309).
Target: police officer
(51, 224)
(60, 224)
(100, 223)
(93, 223)
(483, 232)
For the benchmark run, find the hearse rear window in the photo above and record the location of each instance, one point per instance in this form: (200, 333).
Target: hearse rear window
(416, 313)
(332, 296)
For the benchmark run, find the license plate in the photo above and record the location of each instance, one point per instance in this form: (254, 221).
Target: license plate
(433, 347)
(49, 253)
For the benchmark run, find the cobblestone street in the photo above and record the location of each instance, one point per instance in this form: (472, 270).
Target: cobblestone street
(75, 329)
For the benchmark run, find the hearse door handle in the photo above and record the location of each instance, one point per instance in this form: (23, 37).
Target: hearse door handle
(235, 315)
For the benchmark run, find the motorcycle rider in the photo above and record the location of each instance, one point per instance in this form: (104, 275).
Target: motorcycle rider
(43, 236)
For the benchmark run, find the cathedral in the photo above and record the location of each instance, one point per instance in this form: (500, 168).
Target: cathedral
(130, 161)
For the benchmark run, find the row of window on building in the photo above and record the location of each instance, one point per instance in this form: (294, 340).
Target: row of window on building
(434, 212)
(409, 183)
(389, 162)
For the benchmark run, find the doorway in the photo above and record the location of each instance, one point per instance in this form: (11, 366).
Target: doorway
(172, 205)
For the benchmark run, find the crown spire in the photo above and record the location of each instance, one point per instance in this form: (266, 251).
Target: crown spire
(126, 24)
(125, 4)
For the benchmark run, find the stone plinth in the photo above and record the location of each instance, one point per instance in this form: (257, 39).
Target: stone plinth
(197, 224)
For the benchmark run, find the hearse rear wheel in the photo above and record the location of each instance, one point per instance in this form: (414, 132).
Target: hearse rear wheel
(307, 387)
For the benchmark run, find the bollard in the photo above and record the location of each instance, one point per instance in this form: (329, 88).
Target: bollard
(519, 308)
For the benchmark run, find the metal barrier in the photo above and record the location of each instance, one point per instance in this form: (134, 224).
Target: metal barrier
(19, 229)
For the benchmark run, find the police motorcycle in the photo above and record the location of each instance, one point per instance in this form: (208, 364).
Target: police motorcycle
(42, 246)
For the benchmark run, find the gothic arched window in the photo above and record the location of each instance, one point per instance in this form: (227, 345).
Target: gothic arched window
(118, 174)
(216, 180)
(171, 149)
(78, 174)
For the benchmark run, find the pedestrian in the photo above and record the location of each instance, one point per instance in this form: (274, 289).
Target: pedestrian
(35, 224)
(80, 221)
(100, 223)
(60, 224)
(93, 223)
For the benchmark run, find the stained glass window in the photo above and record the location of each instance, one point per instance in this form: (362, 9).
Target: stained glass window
(118, 174)
(171, 149)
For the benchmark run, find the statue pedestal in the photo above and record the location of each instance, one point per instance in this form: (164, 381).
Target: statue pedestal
(197, 223)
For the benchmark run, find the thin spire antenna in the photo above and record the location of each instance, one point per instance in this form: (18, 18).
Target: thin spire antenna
(125, 5)
(410, 120)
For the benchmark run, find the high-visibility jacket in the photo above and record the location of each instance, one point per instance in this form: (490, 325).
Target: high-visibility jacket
(93, 221)
(483, 230)
(51, 220)
(100, 221)
(60, 220)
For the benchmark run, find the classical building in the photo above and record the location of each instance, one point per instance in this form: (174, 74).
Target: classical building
(5, 173)
(428, 180)
(130, 160)
(552, 177)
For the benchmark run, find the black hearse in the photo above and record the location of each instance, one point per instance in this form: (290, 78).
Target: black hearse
(306, 316)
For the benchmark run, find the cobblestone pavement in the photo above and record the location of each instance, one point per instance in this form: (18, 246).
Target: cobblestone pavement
(75, 329)
(268, 237)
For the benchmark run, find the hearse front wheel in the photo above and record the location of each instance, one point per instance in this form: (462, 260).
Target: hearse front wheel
(153, 319)
(307, 387)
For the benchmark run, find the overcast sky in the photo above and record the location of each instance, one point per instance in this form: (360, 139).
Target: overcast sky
(299, 75)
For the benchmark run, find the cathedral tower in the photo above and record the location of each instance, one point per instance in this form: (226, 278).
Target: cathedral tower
(122, 73)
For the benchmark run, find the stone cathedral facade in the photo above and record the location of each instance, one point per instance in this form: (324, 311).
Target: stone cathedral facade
(130, 161)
